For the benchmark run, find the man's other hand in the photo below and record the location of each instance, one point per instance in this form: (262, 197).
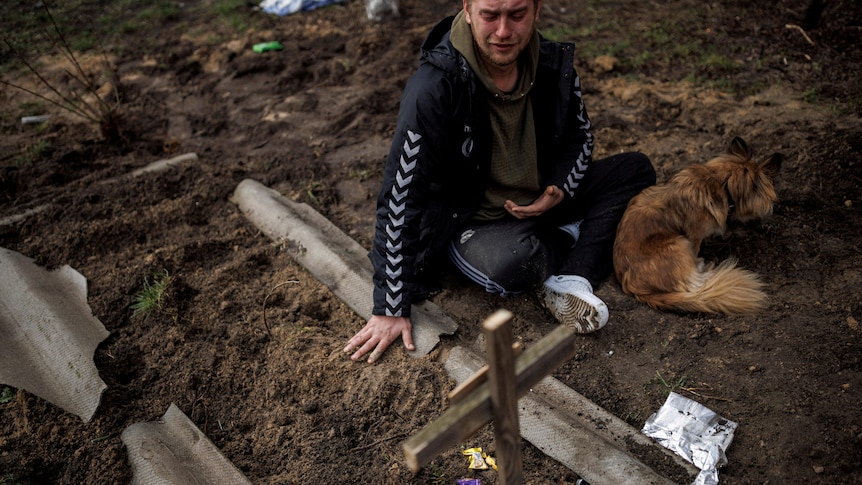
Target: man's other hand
(378, 334)
(552, 196)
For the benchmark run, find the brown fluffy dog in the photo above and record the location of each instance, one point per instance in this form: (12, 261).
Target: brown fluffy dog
(659, 236)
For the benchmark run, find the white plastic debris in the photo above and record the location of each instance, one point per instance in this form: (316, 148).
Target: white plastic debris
(380, 10)
(694, 432)
(32, 120)
(49, 334)
(174, 451)
(287, 7)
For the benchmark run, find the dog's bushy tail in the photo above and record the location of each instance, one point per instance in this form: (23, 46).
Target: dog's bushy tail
(721, 289)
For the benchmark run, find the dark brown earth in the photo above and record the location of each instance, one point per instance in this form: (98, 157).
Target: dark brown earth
(314, 121)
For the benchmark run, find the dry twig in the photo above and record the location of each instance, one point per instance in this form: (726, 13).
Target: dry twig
(99, 111)
(381, 440)
(801, 31)
(267, 297)
(706, 387)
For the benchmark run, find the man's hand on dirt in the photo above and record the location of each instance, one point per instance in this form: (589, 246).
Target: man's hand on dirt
(378, 334)
(552, 196)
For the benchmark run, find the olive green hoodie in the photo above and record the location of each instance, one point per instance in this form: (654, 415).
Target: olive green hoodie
(514, 173)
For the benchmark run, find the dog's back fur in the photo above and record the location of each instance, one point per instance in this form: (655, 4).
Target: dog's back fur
(658, 239)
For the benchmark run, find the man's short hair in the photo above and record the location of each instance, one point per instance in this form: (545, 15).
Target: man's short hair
(535, 2)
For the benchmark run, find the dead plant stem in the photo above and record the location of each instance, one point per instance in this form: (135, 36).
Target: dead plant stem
(265, 324)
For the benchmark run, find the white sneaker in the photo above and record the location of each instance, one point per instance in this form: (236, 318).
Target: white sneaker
(570, 298)
(573, 229)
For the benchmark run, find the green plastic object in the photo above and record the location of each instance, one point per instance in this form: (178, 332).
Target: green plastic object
(267, 46)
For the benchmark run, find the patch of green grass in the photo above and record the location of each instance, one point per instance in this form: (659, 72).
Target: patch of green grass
(129, 16)
(312, 188)
(31, 108)
(103, 437)
(620, 49)
(7, 394)
(560, 33)
(230, 12)
(682, 45)
(640, 59)
(436, 474)
(660, 34)
(720, 62)
(589, 38)
(755, 88)
(159, 11)
(723, 84)
(32, 153)
(8, 479)
(152, 296)
(633, 417)
(854, 105)
(672, 385)
(119, 18)
(30, 29)
(360, 174)
(90, 25)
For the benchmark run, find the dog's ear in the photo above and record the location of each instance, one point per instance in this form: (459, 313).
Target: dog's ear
(772, 165)
(739, 148)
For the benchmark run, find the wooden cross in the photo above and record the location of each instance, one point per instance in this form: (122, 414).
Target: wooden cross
(493, 393)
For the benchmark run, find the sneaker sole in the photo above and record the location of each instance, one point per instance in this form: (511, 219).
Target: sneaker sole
(583, 314)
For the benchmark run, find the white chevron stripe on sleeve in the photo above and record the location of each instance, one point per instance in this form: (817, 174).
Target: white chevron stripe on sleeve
(397, 206)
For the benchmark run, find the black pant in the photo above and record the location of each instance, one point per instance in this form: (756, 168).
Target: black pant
(513, 255)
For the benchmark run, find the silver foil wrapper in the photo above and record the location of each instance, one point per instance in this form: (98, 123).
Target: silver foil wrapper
(694, 432)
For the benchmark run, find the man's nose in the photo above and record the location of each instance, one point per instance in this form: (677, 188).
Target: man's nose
(504, 29)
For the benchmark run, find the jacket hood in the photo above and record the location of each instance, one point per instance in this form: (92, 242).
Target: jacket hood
(438, 50)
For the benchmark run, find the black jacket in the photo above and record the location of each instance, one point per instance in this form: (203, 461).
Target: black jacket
(440, 157)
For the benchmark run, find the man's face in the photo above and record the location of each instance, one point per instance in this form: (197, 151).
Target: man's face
(501, 28)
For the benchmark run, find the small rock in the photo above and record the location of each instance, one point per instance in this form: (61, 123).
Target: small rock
(283, 419)
(310, 407)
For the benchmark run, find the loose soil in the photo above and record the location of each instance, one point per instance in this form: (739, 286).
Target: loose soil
(314, 121)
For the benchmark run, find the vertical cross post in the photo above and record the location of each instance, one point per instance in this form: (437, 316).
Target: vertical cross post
(504, 401)
(471, 406)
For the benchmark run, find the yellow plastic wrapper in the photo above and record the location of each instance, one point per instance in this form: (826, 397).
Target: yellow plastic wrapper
(477, 460)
